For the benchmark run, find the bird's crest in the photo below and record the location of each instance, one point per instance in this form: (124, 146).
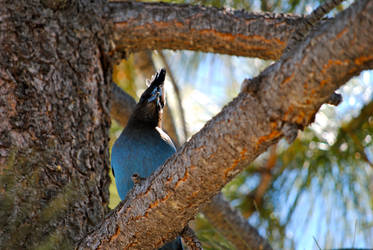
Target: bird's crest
(157, 79)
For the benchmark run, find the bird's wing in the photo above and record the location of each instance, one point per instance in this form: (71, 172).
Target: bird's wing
(140, 155)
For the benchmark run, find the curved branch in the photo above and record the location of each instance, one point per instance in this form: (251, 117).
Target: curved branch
(231, 224)
(122, 104)
(140, 26)
(288, 92)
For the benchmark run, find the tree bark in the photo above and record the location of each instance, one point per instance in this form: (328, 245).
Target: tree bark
(146, 26)
(54, 123)
(275, 104)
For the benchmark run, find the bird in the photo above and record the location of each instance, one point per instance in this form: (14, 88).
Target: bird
(143, 146)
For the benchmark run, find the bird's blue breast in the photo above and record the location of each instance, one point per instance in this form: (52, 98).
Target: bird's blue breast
(139, 151)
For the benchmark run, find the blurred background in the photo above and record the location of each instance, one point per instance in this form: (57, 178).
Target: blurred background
(318, 191)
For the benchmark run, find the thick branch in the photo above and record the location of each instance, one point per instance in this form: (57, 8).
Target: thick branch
(289, 92)
(122, 104)
(141, 26)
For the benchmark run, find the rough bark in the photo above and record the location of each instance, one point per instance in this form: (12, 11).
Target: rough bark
(54, 123)
(144, 26)
(287, 95)
(190, 239)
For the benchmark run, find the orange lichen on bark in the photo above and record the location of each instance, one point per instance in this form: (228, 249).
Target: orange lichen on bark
(131, 245)
(274, 134)
(234, 165)
(115, 235)
(323, 82)
(363, 59)
(185, 177)
(333, 63)
(166, 197)
(153, 204)
(230, 37)
(157, 202)
(194, 194)
(169, 179)
(273, 125)
(236, 162)
(243, 152)
(300, 117)
(269, 48)
(287, 113)
(330, 64)
(340, 34)
(287, 79)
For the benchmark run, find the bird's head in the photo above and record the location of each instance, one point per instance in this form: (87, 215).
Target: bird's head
(150, 106)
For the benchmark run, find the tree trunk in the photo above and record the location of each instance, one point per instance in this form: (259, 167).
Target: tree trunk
(54, 123)
(54, 114)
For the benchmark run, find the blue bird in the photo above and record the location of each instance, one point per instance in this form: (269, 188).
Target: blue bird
(143, 146)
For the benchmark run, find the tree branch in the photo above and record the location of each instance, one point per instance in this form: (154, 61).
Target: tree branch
(191, 239)
(255, 197)
(233, 225)
(122, 104)
(309, 22)
(140, 26)
(289, 92)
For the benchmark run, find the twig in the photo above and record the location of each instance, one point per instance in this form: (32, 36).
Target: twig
(309, 22)
(190, 239)
(318, 246)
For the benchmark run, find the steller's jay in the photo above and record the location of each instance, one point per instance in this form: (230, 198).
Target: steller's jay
(143, 146)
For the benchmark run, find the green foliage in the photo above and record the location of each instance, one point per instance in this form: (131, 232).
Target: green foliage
(209, 236)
